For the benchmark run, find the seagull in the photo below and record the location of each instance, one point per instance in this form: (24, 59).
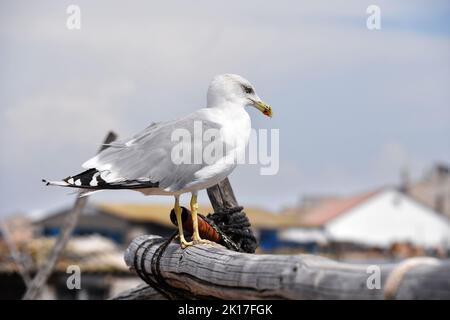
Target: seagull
(146, 162)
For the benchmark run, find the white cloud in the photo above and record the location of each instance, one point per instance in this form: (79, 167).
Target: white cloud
(73, 116)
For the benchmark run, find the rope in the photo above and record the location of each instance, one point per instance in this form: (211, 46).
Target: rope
(234, 227)
(396, 276)
(140, 267)
(156, 270)
(158, 282)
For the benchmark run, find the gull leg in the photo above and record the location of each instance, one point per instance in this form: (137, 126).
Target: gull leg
(194, 208)
(177, 209)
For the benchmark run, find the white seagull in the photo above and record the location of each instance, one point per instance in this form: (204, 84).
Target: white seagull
(146, 163)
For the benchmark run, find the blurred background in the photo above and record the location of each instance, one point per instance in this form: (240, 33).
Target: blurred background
(364, 120)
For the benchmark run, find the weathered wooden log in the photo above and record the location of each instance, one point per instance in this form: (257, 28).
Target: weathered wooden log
(215, 272)
(141, 292)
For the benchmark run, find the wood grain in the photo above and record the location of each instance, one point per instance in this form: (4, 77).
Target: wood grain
(222, 196)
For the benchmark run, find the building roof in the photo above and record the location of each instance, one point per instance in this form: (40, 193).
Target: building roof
(159, 213)
(378, 218)
(389, 217)
(330, 209)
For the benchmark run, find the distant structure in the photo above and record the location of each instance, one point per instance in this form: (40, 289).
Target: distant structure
(386, 222)
(121, 222)
(100, 261)
(433, 189)
(380, 219)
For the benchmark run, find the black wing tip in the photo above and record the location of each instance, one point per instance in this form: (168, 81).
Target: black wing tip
(87, 176)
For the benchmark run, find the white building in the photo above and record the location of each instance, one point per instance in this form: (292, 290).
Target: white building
(378, 219)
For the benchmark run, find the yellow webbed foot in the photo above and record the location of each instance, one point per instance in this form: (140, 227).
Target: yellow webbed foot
(197, 240)
(184, 244)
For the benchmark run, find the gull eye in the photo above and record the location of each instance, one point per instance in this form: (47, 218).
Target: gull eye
(247, 89)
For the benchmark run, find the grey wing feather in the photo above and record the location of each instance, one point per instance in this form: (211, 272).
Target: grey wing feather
(147, 156)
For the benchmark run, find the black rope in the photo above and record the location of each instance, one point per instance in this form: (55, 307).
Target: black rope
(140, 267)
(156, 271)
(158, 282)
(235, 228)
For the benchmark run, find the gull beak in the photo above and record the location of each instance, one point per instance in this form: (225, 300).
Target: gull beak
(263, 107)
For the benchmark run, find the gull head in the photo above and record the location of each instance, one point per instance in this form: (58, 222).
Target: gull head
(234, 89)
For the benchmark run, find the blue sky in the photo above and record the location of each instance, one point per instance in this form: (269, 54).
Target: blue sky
(353, 106)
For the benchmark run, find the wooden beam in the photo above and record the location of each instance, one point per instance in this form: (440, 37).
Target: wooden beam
(222, 196)
(213, 271)
(15, 254)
